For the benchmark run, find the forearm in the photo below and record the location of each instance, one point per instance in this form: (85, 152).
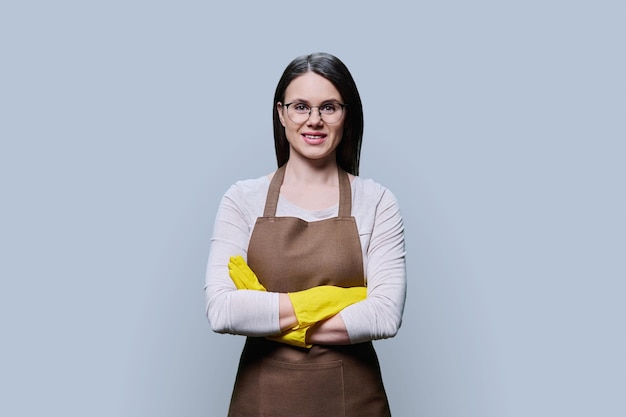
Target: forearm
(286, 315)
(311, 316)
(329, 332)
(376, 318)
(243, 312)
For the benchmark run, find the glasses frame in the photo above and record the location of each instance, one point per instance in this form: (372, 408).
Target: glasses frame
(343, 106)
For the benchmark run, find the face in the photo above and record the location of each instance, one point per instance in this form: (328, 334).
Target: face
(312, 139)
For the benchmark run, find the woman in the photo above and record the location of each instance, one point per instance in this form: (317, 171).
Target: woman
(291, 254)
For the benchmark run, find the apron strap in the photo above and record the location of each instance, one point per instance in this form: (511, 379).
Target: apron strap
(345, 193)
(271, 202)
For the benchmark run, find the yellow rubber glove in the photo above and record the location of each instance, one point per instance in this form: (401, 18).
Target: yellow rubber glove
(242, 275)
(319, 303)
(245, 279)
(293, 337)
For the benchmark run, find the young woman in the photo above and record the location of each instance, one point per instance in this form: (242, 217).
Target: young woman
(308, 262)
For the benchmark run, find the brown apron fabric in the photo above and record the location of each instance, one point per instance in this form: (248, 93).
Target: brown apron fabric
(278, 380)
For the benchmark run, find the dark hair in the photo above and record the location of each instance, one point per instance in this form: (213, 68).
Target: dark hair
(335, 71)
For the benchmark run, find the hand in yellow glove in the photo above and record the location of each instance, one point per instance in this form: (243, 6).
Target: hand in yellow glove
(314, 305)
(242, 275)
(295, 337)
(319, 303)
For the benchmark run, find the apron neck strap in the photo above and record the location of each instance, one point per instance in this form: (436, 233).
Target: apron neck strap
(345, 193)
(271, 202)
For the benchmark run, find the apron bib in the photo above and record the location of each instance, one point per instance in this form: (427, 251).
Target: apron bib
(274, 379)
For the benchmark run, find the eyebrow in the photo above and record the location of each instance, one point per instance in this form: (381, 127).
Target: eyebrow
(301, 100)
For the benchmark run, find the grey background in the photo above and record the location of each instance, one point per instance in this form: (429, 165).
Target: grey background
(498, 125)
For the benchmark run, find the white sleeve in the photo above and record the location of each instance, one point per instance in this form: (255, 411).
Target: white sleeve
(243, 312)
(380, 315)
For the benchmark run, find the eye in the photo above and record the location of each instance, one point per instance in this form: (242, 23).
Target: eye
(328, 108)
(300, 107)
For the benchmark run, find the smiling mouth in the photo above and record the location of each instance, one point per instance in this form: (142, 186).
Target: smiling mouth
(313, 136)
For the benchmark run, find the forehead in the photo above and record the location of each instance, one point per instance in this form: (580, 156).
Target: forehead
(311, 87)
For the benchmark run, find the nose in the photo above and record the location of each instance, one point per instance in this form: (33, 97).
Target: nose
(315, 116)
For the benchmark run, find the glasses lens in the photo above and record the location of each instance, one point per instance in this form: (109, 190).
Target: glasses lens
(298, 112)
(329, 112)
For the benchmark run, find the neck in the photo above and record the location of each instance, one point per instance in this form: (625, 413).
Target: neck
(311, 172)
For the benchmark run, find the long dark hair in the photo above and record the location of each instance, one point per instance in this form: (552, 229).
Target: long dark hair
(335, 71)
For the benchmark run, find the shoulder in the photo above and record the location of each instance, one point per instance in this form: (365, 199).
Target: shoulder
(248, 188)
(374, 205)
(369, 192)
(247, 197)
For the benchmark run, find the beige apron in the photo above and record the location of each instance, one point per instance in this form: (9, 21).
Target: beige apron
(278, 380)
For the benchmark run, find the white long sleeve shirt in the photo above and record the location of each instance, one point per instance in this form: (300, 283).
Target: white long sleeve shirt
(255, 313)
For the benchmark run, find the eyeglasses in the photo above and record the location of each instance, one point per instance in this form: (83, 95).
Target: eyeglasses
(329, 112)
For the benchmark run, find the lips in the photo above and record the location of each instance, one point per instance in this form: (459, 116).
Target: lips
(314, 138)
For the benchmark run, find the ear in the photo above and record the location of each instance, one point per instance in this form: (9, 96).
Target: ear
(279, 110)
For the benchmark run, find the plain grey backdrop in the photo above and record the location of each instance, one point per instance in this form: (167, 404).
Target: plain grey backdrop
(499, 125)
